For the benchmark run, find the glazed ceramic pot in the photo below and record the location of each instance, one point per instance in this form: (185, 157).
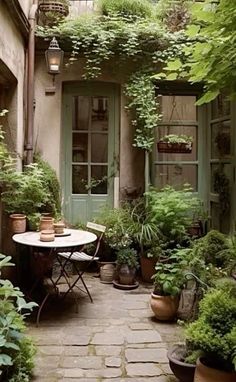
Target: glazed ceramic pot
(126, 275)
(183, 371)
(164, 307)
(18, 223)
(205, 373)
(47, 235)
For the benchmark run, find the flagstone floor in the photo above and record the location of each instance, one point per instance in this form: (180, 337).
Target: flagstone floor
(113, 339)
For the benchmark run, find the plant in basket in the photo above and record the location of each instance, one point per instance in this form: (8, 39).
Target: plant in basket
(173, 143)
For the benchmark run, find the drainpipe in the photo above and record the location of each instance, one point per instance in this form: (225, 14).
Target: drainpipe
(30, 84)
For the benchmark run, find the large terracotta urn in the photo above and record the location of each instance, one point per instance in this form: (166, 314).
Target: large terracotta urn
(205, 373)
(164, 307)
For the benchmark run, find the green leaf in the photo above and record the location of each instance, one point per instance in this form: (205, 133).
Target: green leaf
(192, 30)
(174, 65)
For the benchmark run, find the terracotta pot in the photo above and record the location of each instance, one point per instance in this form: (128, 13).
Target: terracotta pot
(126, 275)
(147, 268)
(59, 228)
(47, 235)
(164, 307)
(18, 223)
(205, 373)
(46, 223)
(184, 372)
(107, 273)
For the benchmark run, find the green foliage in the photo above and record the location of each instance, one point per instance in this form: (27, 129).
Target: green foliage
(214, 332)
(169, 277)
(52, 186)
(128, 256)
(16, 351)
(213, 248)
(130, 8)
(172, 211)
(142, 101)
(172, 138)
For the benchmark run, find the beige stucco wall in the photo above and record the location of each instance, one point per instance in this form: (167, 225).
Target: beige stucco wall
(25, 5)
(47, 135)
(12, 55)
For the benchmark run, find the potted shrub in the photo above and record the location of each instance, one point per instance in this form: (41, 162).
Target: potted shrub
(168, 281)
(212, 337)
(184, 371)
(127, 264)
(175, 144)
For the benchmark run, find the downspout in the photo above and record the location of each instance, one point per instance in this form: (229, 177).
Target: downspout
(30, 84)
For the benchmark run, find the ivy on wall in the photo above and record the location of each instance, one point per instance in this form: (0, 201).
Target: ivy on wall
(138, 46)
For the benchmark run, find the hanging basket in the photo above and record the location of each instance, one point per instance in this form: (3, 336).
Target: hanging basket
(58, 7)
(167, 147)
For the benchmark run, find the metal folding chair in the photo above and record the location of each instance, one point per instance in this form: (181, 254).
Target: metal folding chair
(76, 258)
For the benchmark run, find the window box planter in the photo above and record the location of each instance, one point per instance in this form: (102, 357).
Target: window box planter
(168, 147)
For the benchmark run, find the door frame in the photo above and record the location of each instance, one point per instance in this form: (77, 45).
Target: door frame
(90, 88)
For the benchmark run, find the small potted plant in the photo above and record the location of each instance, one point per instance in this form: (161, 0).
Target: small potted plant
(172, 143)
(127, 264)
(168, 282)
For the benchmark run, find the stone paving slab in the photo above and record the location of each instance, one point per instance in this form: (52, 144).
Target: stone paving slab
(115, 339)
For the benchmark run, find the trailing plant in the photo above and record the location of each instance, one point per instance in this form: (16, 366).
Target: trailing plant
(142, 101)
(213, 334)
(16, 350)
(128, 256)
(172, 138)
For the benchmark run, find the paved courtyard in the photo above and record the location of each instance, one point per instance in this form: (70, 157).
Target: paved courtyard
(114, 339)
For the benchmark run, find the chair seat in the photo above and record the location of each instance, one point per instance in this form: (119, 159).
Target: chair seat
(77, 256)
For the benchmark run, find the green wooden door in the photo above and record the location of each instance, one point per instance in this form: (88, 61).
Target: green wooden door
(90, 125)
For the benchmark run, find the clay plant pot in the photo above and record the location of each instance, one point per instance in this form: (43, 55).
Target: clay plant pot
(183, 371)
(205, 373)
(18, 223)
(46, 223)
(59, 228)
(164, 307)
(47, 235)
(147, 268)
(107, 272)
(126, 275)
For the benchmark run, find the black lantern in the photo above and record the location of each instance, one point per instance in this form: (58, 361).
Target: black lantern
(54, 57)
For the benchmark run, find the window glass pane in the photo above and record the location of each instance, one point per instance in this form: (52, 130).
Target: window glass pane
(220, 176)
(80, 147)
(178, 108)
(99, 148)
(99, 114)
(176, 175)
(79, 179)
(81, 107)
(215, 216)
(99, 179)
(190, 131)
(220, 139)
(220, 107)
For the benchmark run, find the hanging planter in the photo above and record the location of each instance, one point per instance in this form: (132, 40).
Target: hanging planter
(52, 11)
(175, 144)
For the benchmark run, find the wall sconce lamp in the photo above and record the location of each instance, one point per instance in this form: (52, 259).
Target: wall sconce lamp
(54, 59)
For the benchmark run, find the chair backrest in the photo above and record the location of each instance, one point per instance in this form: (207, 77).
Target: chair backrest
(99, 228)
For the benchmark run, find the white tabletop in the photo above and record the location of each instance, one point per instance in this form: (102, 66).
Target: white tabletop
(76, 238)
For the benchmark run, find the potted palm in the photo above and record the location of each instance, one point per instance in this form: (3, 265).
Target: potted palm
(172, 143)
(168, 282)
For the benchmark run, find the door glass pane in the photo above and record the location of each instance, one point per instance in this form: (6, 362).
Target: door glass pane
(99, 114)
(176, 175)
(190, 131)
(80, 147)
(99, 148)
(220, 139)
(81, 109)
(178, 108)
(220, 178)
(220, 107)
(79, 179)
(99, 179)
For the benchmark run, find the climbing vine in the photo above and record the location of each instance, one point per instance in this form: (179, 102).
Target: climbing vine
(138, 49)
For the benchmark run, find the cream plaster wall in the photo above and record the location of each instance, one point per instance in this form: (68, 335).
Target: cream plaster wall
(47, 134)
(25, 5)
(12, 55)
